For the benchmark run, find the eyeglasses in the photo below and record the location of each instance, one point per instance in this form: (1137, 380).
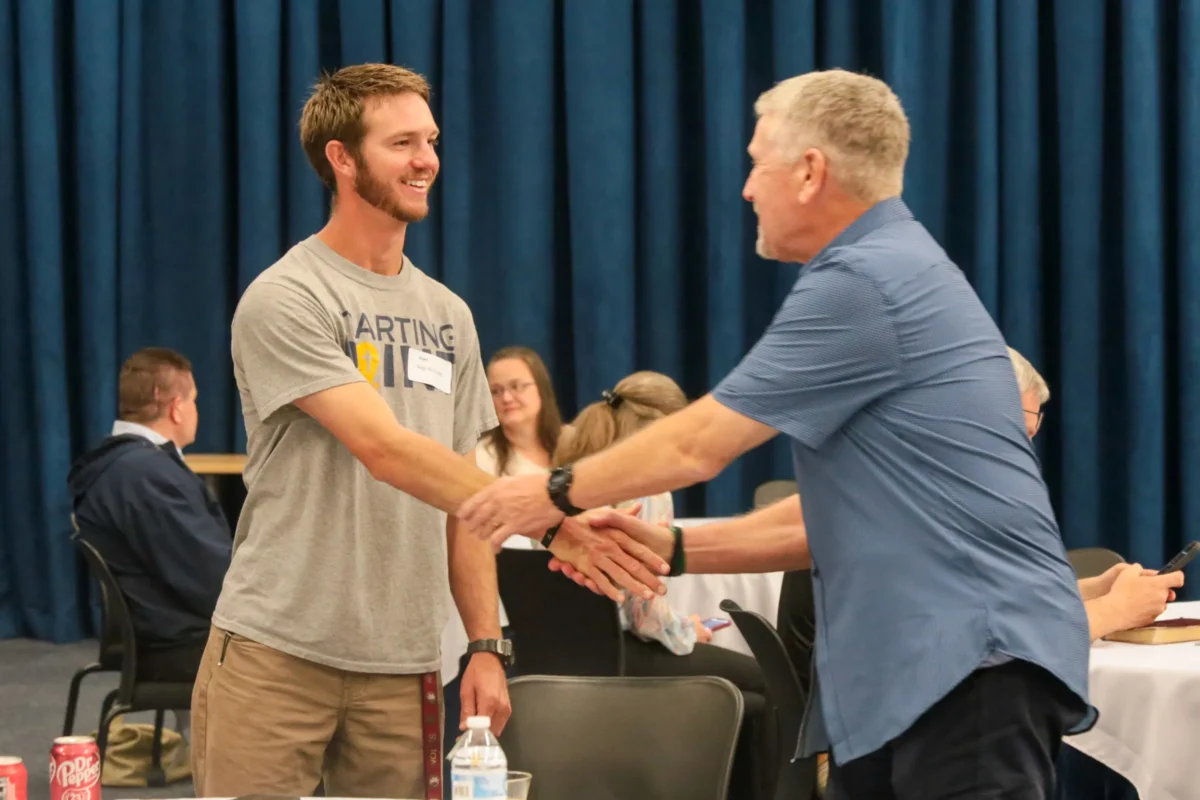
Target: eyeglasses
(515, 388)
(1039, 414)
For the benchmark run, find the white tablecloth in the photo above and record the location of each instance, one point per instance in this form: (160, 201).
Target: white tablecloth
(688, 594)
(1149, 702)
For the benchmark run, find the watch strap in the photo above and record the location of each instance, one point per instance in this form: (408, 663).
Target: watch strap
(558, 486)
(502, 648)
(678, 557)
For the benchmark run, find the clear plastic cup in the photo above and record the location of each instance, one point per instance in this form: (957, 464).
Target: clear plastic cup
(518, 785)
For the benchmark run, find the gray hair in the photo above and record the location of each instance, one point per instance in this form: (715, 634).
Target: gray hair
(1028, 379)
(855, 120)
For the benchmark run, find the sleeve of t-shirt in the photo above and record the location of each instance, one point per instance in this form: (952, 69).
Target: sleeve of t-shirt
(830, 351)
(287, 346)
(474, 412)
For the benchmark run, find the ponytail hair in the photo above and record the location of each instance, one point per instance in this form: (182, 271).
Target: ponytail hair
(634, 403)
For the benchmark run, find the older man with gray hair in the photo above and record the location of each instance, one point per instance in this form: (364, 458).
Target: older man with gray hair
(1125, 596)
(952, 644)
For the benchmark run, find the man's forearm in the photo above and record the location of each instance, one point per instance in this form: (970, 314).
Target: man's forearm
(473, 581)
(1101, 619)
(775, 549)
(647, 463)
(428, 470)
(770, 539)
(1090, 588)
(688, 447)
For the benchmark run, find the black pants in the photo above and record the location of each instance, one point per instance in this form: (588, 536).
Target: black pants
(177, 663)
(651, 659)
(994, 737)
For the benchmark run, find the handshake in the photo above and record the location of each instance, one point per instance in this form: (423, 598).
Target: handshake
(605, 550)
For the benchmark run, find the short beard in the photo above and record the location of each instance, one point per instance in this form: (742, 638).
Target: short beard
(375, 192)
(760, 246)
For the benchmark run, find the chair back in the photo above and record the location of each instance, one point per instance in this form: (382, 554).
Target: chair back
(1088, 562)
(115, 618)
(109, 632)
(796, 780)
(621, 738)
(774, 491)
(559, 627)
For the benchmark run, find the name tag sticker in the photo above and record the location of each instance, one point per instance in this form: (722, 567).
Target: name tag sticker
(429, 369)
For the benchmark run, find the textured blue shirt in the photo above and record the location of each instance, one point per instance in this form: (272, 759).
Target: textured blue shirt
(935, 550)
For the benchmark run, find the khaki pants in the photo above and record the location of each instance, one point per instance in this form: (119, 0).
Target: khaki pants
(264, 722)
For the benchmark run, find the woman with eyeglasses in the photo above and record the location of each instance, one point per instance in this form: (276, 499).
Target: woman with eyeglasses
(530, 422)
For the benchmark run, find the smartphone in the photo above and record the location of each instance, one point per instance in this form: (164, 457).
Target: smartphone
(716, 623)
(1182, 560)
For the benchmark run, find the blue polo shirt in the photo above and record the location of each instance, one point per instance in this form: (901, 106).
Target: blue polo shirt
(934, 547)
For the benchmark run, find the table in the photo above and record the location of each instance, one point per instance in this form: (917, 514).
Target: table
(1149, 702)
(216, 463)
(221, 473)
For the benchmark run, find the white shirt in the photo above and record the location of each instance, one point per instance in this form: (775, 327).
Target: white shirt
(121, 427)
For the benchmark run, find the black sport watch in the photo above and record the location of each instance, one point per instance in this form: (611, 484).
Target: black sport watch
(558, 486)
(502, 648)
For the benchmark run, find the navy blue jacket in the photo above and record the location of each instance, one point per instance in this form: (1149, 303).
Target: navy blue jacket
(161, 532)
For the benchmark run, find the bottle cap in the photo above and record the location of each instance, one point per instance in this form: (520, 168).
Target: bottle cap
(479, 723)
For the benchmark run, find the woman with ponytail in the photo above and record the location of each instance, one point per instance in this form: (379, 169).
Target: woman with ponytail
(659, 641)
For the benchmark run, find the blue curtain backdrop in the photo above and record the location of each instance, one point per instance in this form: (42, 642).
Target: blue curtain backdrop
(589, 206)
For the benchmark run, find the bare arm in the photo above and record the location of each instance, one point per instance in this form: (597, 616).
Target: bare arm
(688, 447)
(771, 539)
(414, 464)
(1092, 588)
(473, 578)
(435, 474)
(768, 540)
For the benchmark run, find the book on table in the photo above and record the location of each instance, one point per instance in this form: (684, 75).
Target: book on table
(1166, 631)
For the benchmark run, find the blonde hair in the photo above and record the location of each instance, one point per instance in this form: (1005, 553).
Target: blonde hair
(855, 120)
(334, 111)
(634, 403)
(1028, 379)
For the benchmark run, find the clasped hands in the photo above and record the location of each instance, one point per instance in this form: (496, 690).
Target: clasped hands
(605, 550)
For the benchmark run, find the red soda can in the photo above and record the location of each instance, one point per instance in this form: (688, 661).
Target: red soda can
(13, 783)
(74, 769)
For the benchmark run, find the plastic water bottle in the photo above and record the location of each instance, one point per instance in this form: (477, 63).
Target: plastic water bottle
(479, 770)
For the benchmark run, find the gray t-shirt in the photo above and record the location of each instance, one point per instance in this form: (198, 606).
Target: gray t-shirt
(329, 564)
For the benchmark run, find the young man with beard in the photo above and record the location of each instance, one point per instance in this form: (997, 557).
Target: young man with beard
(359, 376)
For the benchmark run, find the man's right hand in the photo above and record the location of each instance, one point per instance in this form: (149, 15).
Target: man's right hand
(605, 559)
(656, 539)
(1138, 597)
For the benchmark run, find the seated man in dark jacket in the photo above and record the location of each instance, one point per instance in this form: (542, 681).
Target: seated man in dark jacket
(152, 519)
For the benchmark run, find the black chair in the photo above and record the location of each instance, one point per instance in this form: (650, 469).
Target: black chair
(559, 627)
(774, 491)
(797, 779)
(108, 660)
(131, 695)
(621, 738)
(1088, 562)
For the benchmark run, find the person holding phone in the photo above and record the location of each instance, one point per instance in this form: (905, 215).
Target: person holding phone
(1124, 596)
